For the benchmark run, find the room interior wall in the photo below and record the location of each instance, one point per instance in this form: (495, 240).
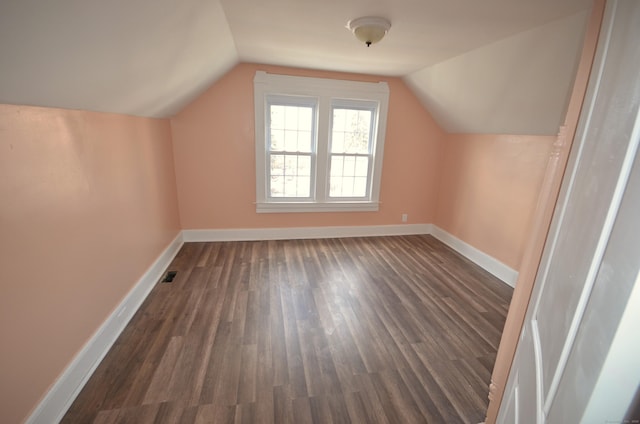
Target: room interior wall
(214, 151)
(488, 190)
(89, 202)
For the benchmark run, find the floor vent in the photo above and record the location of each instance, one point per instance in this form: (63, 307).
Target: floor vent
(169, 277)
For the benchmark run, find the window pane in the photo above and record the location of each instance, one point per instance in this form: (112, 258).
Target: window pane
(277, 186)
(336, 166)
(337, 142)
(305, 119)
(351, 131)
(339, 119)
(277, 140)
(290, 176)
(291, 141)
(291, 128)
(347, 186)
(290, 188)
(304, 141)
(304, 187)
(304, 165)
(358, 125)
(335, 186)
(349, 166)
(277, 165)
(277, 116)
(341, 187)
(349, 176)
(290, 165)
(360, 186)
(362, 166)
(291, 117)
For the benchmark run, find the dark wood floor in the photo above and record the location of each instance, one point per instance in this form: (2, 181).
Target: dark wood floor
(378, 330)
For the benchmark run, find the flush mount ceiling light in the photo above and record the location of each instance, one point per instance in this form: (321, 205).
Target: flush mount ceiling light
(369, 29)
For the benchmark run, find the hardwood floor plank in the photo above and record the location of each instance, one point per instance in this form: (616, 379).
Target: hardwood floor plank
(297, 380)
(245, 413)
(380, 330)
(434, 390)
(278, 341)
(214, 367)
(282, 406)
(170, 412)
(428, 408)
(312, 372)
(214, 414)
(248, 374)
(338, 408)
(265, 413)
(320, 410)
(250, 335)
(302, 411)
(108, 416)
(158, 389)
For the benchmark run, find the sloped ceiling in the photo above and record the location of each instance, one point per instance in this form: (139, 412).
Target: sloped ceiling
(518, 85)
(136, 57)
(152, 57)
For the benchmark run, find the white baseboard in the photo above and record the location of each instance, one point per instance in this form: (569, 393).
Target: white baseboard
(304, 232)
(492, 265)
(67, 387)
(489, 263)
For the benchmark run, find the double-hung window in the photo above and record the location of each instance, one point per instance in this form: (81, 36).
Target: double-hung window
(319, 143)
(290, 147)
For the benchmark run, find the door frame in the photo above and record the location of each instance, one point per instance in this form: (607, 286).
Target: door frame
(543, 214)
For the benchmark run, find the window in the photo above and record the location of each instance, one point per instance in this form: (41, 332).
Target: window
(290, 147)
(350, 152)
(319, 143)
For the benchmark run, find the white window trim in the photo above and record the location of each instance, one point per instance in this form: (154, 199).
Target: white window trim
(312, 102)
(326, 91)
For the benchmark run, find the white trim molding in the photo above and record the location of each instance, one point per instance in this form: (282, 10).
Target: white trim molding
(67, 387)
(288, 207)
(286, 233)
(487, 262)
(322, 95)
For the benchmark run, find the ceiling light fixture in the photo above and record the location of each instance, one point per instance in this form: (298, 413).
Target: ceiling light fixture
(369, 29)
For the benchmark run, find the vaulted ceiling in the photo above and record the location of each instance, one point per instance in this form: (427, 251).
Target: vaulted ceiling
(499, 66)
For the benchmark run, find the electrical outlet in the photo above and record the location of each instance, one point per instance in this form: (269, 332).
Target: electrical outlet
(405, 217)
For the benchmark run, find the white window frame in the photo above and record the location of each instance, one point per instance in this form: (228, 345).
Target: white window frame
(329, 93)
(292, 101)
(354, 105)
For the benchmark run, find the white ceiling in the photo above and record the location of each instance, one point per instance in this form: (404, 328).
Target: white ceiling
(152, 57)
(517, 85)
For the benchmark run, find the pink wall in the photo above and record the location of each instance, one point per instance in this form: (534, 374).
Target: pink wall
(214, 154)
(488, 190)
(88, 203)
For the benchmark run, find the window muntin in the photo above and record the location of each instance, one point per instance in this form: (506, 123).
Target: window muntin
(290, 148)
(351, 151)
(284, 159)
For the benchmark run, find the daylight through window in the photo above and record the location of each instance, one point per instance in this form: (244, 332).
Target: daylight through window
(319, 143)
(290, 149)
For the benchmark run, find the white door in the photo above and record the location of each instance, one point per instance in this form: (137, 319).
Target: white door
(578, 357)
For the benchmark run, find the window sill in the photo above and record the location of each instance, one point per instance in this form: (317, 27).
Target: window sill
(289, 207)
